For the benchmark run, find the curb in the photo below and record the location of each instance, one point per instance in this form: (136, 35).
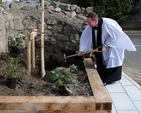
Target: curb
(132, 81)
(137, 32)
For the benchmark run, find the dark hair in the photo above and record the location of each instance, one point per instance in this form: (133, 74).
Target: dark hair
(92, 15)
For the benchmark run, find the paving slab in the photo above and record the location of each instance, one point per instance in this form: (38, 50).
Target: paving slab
(125, 95)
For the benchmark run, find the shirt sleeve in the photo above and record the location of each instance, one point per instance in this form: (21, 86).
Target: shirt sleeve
(86, 39)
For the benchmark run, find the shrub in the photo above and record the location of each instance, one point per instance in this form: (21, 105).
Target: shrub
(12, 67)
(63, 76)
(17, 41)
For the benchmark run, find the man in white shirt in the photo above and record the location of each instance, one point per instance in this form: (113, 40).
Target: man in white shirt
(107, 33)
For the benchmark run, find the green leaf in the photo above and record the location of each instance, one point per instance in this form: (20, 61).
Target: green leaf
(62, 75)
(12, 67)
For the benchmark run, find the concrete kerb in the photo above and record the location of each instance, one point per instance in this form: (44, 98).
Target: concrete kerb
(132, 81)
(131, 32)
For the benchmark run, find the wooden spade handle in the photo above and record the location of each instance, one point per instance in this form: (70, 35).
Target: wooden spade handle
(95, 50)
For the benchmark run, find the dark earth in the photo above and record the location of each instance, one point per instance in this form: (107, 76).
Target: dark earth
(32, 84)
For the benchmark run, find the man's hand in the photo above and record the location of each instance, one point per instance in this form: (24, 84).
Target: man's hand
(80, 53)
(103, 48)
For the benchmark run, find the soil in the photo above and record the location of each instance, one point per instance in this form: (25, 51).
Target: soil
(32, 84)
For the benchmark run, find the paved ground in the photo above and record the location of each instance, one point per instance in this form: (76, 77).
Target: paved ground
(125, 95)
(132, 61)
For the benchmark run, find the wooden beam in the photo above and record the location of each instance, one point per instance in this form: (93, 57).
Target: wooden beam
(46, 111)
(102, 97)
(60, 103)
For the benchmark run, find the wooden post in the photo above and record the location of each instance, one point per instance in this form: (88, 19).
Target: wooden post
(42, 42)
(31, 45)
(33, 53)
(34, 32)
(28, 53)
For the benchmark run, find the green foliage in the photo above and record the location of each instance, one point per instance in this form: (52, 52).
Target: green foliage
(17, 41)
(119, 10)
(63, 76)
(84, 3)
(12, 67)
(75, 44)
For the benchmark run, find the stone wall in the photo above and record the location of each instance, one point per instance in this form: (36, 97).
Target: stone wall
(3, 40)
(63, 22)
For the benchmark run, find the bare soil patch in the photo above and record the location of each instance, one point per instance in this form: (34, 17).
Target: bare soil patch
(31, 84)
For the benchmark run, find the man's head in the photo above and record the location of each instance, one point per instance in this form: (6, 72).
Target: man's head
(92, 19)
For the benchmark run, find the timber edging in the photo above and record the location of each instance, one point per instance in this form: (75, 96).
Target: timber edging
(100, 102)
(102, 97)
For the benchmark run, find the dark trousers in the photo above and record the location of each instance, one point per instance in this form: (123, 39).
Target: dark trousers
(107, 75)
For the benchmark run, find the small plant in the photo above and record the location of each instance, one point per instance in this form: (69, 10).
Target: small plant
(12, 67)
(17, 42)
(63, 76)
(75, 44)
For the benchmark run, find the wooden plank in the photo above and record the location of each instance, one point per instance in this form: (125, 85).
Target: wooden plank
(103, 100)
(69, 103)
(41, 111)
(101, 111)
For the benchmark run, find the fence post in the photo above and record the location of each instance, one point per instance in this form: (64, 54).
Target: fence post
(31, 49)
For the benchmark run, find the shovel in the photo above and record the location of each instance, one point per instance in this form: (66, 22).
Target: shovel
(99, 49)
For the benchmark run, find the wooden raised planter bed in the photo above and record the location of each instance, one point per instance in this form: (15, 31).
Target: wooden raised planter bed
(100, 102)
